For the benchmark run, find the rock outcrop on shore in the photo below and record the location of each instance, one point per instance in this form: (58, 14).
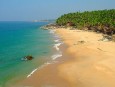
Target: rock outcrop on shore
(107, 35)
(50, 26)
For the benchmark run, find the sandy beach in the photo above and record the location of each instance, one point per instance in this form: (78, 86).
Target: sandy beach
(86, 62)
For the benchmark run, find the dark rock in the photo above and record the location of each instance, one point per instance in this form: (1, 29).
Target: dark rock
(27, 58)
(82, 42)
(113, 38)
(50, 26)
(106, 38)
(107, 31)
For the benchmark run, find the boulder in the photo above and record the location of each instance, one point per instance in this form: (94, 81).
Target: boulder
(113, 38)
(106, 38)
(29, 57)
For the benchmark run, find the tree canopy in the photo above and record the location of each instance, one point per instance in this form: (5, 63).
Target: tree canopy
(100, 19)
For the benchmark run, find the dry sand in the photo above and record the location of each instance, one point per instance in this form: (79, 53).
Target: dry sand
(86, 62)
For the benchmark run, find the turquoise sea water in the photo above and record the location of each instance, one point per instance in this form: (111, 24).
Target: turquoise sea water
(18, 39)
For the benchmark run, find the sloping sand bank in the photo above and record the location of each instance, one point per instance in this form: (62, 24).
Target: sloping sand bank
(93, 64)
(86, 62)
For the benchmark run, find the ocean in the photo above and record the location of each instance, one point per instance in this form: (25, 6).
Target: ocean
(19, 39)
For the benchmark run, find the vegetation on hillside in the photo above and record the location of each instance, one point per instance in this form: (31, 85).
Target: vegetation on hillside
(101, 20)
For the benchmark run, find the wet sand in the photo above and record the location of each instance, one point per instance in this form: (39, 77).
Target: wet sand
(86, 62)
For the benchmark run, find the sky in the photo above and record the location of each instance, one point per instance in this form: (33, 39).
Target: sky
(28, 10)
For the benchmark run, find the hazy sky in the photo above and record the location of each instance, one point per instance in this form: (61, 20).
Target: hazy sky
(27, 10)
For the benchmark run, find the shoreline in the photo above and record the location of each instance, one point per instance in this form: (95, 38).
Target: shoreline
(86, 62)
(47, 75)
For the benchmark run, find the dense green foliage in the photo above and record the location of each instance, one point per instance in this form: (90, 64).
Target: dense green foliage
(100, 19)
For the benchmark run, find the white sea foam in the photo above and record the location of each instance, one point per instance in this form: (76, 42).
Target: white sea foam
(45, 64)
(57, 36)
(56, 56)
(32, 72)
(57, 46)
(52, 31)
(56, 40)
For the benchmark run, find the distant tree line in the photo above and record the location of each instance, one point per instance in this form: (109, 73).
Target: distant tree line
(101, 20)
